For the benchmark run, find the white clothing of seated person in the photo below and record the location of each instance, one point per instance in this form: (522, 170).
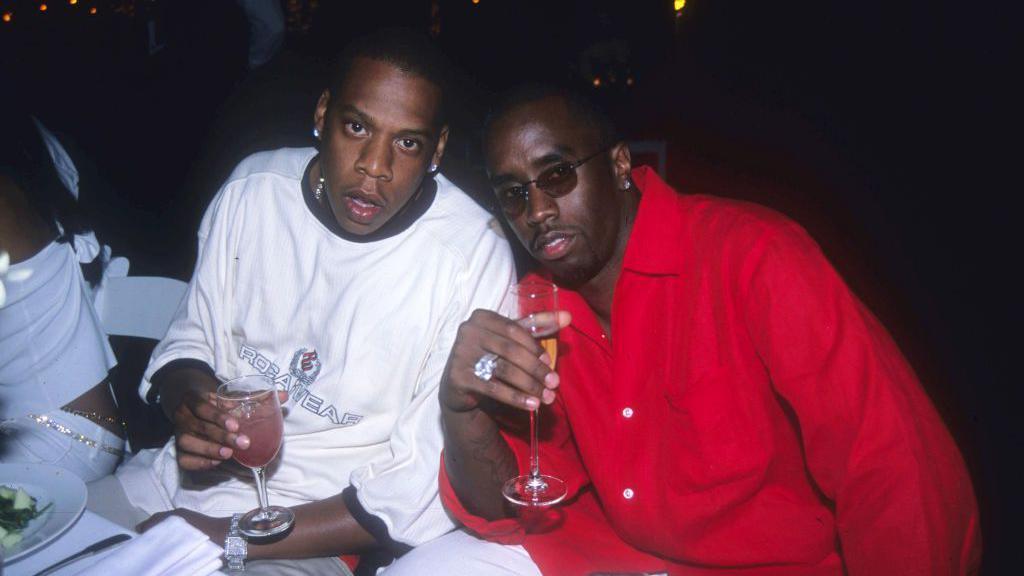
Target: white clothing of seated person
(55, 404)
(314, 271)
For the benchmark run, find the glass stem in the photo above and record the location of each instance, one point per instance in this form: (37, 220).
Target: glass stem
(534, 448)
(261, 487)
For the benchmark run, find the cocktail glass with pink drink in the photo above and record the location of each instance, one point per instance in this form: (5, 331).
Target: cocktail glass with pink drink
(252, 401)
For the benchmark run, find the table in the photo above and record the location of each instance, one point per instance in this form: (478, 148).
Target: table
(88, 529)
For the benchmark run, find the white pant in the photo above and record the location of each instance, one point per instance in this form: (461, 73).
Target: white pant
(460, 553)
(25, 440)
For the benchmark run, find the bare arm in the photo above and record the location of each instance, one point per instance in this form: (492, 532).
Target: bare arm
(323, 528)
(476, 457)
(22, 232)
(478, 461)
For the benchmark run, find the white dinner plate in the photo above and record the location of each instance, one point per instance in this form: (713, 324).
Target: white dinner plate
(46, 484)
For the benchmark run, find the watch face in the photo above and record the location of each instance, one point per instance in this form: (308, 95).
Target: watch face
(235, 551)
(235, 545)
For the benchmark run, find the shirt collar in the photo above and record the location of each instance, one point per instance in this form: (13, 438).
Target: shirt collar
(653, 246)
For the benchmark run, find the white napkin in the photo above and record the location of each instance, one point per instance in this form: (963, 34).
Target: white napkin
(170, 548)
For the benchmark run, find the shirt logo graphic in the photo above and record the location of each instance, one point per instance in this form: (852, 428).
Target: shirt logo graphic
(305, 367)
(302, 372)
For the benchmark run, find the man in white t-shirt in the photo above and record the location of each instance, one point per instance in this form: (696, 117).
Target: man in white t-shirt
(343, 276)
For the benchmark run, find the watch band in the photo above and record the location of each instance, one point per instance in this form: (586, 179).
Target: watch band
(235, 546)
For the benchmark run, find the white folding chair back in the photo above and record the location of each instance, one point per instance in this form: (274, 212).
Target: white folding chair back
(140, 306)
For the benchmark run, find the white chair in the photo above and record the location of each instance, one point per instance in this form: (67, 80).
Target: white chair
(139, 306)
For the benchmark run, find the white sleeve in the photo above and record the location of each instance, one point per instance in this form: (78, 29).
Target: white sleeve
(396, 499)
(199, 329)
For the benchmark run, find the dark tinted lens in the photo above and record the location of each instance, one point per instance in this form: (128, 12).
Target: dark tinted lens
(512, 200)
(558, 180)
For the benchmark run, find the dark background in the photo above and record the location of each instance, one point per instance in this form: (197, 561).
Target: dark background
(883, 127)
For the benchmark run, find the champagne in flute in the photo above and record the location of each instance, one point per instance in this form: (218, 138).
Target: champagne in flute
(534, 305)
(551, 347)
(252, 400)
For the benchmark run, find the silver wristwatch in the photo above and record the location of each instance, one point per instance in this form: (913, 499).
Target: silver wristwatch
(235, 546)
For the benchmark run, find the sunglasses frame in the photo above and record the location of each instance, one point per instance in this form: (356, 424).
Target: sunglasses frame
(523, 192)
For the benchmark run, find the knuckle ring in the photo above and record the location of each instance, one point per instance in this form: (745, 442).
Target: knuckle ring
(484, 367)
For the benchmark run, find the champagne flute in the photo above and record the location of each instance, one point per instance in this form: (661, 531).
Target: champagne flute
(252, 400)
(533, 305)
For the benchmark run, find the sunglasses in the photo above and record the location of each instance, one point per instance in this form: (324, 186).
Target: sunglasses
(556, 181)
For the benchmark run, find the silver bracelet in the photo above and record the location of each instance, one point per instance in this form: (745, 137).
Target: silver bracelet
(235, 546)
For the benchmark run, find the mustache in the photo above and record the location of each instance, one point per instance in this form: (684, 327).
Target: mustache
(370, 196)
(544, 235)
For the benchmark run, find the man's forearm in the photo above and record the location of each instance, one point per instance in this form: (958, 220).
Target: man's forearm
(478, 462)
(322, 528)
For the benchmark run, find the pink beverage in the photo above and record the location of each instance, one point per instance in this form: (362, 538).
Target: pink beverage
(252, 400)
(264, 440)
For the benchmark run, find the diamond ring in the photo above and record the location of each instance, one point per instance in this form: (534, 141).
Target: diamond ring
(484, 367)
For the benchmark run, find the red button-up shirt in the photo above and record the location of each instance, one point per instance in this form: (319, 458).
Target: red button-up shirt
(748, 416)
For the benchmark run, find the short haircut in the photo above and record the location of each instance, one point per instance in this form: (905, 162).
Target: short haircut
(407, 50)
(582, 106)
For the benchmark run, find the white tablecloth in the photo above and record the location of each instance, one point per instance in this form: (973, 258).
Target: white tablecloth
(88, 529)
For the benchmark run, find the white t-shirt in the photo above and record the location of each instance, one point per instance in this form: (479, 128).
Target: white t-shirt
(358, 333)
(52, 347)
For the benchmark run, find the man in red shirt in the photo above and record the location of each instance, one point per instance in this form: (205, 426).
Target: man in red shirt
(724, 404)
